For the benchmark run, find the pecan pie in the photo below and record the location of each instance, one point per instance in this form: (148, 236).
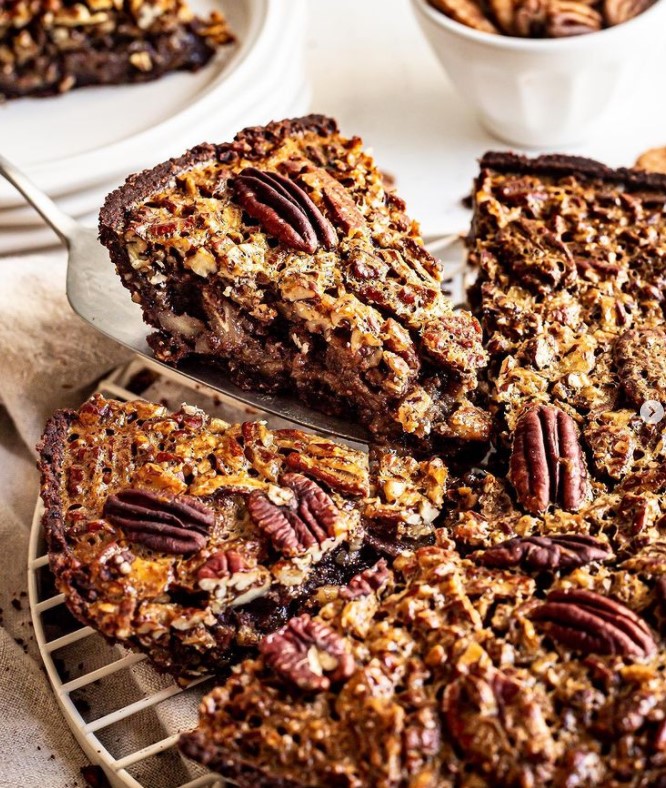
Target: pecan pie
(456, 672)
(571, 261)
(527, 647)
(189, 538)
(282, 257)
(52, 46)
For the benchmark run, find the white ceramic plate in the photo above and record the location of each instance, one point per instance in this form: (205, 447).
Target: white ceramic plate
(94, 135)
(29, 233)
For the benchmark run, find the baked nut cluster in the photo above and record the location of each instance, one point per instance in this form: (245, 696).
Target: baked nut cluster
(283, 258)
(189, 538)
(541, 18)
(52, 46)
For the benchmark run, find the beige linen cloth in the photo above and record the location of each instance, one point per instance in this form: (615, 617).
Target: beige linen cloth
(49, 359)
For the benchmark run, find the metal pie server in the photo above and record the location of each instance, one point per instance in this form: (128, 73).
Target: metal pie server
(95, 293)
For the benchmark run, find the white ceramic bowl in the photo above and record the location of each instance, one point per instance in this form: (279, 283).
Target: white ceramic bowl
(542, 92)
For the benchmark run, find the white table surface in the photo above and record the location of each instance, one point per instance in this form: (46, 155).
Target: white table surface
(372, 70)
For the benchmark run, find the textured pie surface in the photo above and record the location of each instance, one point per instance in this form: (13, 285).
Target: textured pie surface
(52, 46)
(527, 647)
(447, 676)
(188, 538)
(282, 257)
(572, 266)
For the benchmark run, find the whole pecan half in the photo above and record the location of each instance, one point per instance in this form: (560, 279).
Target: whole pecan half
(367, 581)
(284, 210)
(308, 653)
(595, 624)
(547, 464)
(571, 18)
(167, 524)
(223, 563)
(618, 11)
(307, 520)
(542, 553)
(530, 18)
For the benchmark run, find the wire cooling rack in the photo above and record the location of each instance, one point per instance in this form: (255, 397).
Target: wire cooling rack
(125, 716)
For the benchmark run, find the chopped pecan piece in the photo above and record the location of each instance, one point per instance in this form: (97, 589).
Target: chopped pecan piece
(161, 522)
(339, 203)
(341, 206)
(541, 553)
(455, 341)
(307, 520)
(547, 464)
(640, 355)
(223, 563)
(541, 260)
(595, 624)
(284, 210)
(660, 590)
(367, 582)
(341, 469)
(658, 744)
(421, 738)
(308, 653)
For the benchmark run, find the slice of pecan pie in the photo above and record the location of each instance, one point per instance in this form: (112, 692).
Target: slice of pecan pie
(189, 538)
(282, 257)
(52, 46)
(570, 292)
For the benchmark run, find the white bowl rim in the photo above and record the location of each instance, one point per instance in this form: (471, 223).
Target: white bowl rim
(534, 45)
